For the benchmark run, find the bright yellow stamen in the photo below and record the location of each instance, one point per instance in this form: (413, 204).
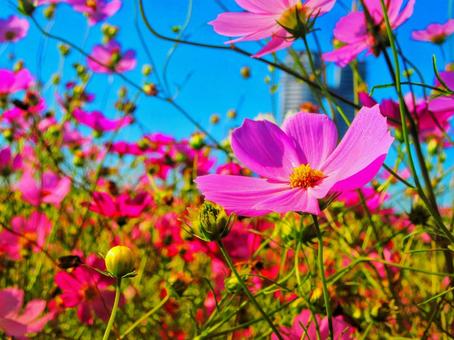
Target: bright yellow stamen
(91, 3)
(305, 177)
(292, 16)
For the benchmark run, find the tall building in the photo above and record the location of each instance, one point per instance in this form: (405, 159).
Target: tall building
(294, 92)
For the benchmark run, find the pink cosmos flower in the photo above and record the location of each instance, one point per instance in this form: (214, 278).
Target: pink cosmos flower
(353, 31)
(304, 328)
(96, 10)
(98, 122)
(87, 290)
(12, 82)
(18, 322)
(111, 59)
(120, 206)
(13, 29)
(372, 198)
(50, 189)
(124, 148)
(299, 163)
(36, 228)
(264, 19)
(435, 33)
(443, 106)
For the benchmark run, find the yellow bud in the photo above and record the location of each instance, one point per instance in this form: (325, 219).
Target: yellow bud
(120, 261)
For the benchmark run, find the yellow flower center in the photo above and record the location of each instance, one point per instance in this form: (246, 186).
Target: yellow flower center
(91, 3)
(292, 16)
(305, 177)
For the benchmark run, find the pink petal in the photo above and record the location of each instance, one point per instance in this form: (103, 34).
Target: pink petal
(280, 40)
(351, 28)
(363, 147)
(405, 14)
(11, 301)
(32, 311)
(238, 24)
(263, 6)
(319, 7)
(239, 194)
(12, 328)
(265, 149)
(315, 135)
(345, 54)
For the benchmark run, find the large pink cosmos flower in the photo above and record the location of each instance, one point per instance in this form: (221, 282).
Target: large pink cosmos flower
(12, 82)
(50, 189)
(13, 29)
(267, 18)
(120, 206)
(111, 59)
(435, 33)
(354, 32)
(299, 163)
(304, 328)
(87, 290)
(98, 122)
(17, 322)
(96, 10)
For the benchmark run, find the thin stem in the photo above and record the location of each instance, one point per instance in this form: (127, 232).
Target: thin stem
(322, 274)
(114, 310)
(145, 316)
(246, 290)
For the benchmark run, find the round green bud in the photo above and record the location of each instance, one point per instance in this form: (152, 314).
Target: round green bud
(120, 261)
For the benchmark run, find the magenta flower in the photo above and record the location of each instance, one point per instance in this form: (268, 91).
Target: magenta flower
(304, 328)
(8, 163)
(435, 33)
(13, 29)
(119, 206)
(299, 163)
(12, 82)
(50, 189)
(110, 59)
(96, 10)
(98, 122)
(87, 290)
(353, 31)
(36, 228)
(18, 322)
(267, 19)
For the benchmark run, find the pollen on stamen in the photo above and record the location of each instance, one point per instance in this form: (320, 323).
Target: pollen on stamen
(305, 177)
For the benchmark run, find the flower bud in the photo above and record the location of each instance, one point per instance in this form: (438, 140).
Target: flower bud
(214, 222)
(120, 261)
(245, 72)
(197, 141)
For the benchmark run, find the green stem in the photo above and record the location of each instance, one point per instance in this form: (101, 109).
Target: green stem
(145, 316)
(246, 290)
(322, 274)
(114, 310)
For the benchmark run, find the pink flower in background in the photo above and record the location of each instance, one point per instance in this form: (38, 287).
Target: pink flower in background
(50, 189)
(96, 10)
(12, 82)
(120, 206)
(98, 122)
(304, 328)
(267, 19)
(17, 321)
(372, 198)
(353, 31)
(124, 148)
(8, 163)
(443, 106)
(87, 290)
(35, 228)
(13, 29)
(435, 33)
(111, 59)
(299, 163)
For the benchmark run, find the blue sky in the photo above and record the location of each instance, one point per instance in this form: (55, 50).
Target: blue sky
(213, 83)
